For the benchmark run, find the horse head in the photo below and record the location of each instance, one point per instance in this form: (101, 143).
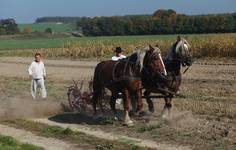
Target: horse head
(183, 52)
(154, 60)
(148, 57)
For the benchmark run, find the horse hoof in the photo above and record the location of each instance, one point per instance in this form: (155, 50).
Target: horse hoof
(164, 116)
(129, 123)
(95, 116)
(137, 114)
(151, 110)
(116, 118)
(132, 113)
(141, 114)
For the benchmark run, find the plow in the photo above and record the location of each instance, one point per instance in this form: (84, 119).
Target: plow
(77, 99)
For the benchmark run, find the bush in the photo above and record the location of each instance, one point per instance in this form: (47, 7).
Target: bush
(27, 29)
(2, 31)
(48, 30)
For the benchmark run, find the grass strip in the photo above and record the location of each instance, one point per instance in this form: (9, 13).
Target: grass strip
(70, 136)
(9, 143)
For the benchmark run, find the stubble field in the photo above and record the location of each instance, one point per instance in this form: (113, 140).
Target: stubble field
(203, 118)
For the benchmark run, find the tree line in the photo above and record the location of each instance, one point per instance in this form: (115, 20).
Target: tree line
(161, 22)
(57, 19)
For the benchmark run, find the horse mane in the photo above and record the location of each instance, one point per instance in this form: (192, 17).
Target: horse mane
(157, 51)
(142, 52)
(140, 56)
(172, 50)
(139, 53)
(181, 44)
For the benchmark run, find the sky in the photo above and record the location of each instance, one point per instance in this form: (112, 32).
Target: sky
(27, 11)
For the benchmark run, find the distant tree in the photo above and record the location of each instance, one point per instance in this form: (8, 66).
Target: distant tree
(201, 24)
(178, 27)
(161, 13)
(115, 26)
(27, 29)
(48, 30)
(129, 27)
(229, 24)
(9, 25)
(2, 31)
(234, 18)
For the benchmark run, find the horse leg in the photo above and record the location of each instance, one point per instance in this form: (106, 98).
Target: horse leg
(95, 100)
(97, 97)
(101, 99)
(127, 120)
(113, 105)
(139, 103)
(149, 101)
(167, 108)
(133, 98)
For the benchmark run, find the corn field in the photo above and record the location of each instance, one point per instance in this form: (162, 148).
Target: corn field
(216, 45)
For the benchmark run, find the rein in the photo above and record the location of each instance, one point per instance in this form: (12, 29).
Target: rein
(156, 85)
(186, 70)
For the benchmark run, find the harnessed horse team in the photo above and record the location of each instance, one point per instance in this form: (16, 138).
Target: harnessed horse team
(144, 69)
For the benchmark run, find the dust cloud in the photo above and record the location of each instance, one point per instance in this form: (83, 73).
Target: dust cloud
(182, 119)
(26, 107)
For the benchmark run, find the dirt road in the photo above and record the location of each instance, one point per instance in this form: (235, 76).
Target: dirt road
(67, 70)
(56, 69)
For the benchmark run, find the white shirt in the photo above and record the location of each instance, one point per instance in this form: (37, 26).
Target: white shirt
(115, 58)
(37, 70)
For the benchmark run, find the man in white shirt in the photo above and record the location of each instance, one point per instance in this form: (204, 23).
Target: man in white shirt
(37, 73)
(118, 55)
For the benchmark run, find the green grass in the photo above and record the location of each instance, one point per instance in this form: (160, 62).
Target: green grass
(144, 128)
(9, 143)
(130, 143)
(40, 27)
(59, 42)
(67, 134)
(31, 43)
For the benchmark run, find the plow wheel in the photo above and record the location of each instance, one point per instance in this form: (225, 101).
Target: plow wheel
(76, 102)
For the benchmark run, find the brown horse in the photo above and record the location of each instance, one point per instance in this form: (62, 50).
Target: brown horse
(178, 55)
(124, 76)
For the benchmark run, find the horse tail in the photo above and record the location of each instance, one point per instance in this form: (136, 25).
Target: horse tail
(97, 87)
